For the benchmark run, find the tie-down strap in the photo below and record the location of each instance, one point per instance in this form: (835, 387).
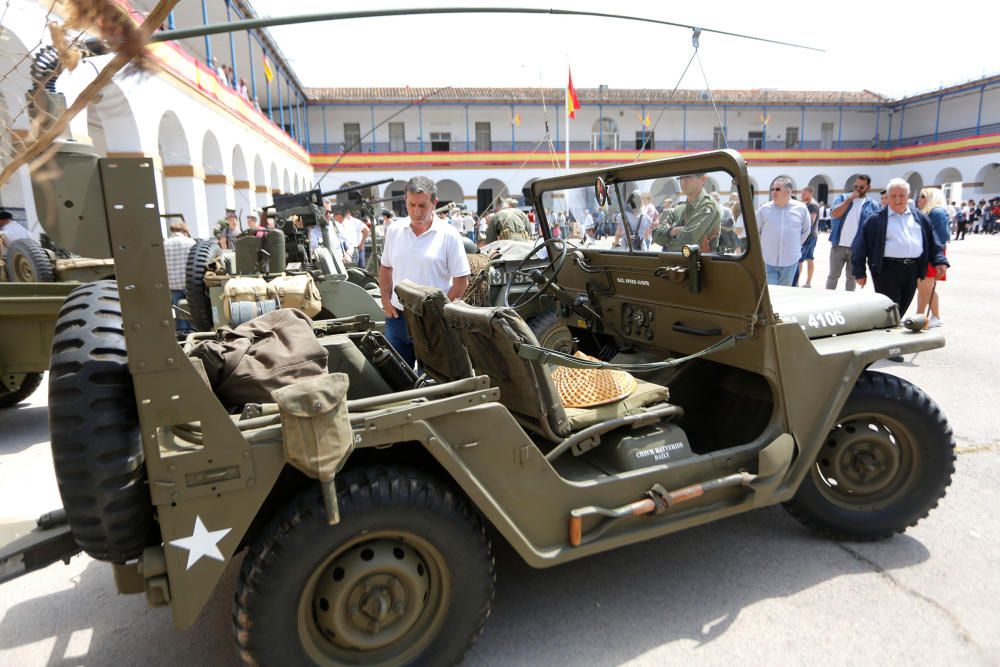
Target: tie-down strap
(546, 356)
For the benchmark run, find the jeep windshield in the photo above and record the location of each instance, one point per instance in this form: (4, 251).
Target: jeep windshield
(640, 215)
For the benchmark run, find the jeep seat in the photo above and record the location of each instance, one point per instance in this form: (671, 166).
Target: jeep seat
(492, 337)
(440, 351)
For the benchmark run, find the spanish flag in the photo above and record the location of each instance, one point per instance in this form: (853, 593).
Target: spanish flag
(268, 72)
(572, 101)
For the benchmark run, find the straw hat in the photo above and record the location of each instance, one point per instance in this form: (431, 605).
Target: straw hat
(589, 387)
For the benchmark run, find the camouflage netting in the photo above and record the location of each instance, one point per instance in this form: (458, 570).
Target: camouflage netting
(478, 293)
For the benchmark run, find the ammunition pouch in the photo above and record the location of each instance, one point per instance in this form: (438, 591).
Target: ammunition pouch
(317, 433)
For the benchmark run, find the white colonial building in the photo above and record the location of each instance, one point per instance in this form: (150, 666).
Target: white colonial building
(215, 148)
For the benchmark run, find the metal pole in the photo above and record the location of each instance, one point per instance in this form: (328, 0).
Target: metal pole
(281, 103)
(326, 148)
(467, 143)
(373, 128)
(208, 42)
(253, 70)
(420, 122)
(937, 118)
(232, 50)
(840, 128)
(513, 137)
(802, 129)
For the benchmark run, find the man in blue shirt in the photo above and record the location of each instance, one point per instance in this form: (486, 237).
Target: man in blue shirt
(847, 214)
(784, 226)
(898, 245)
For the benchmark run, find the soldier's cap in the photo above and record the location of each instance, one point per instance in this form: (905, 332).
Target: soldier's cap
(510, 201)
(6, 215)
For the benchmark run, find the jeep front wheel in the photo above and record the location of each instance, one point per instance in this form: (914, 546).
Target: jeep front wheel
(405, 577)
(883, 467)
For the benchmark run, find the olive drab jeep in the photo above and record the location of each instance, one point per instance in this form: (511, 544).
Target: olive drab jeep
(362, 504)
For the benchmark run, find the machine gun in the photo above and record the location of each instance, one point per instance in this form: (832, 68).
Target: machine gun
(307, 207)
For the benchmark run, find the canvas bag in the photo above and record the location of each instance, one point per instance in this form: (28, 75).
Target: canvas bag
(297, 291)
(242, 289)
(316, 429)
(245, 364)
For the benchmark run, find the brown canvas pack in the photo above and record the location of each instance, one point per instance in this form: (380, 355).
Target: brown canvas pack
(242, 289)
(316, 429)
(297, 291)
(247, 363)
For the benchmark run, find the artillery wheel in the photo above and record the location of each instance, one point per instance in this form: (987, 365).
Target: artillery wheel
(96, 445)
(884, 466)
(199, 303)
(27, 262)
(28, 386)
(405, 577)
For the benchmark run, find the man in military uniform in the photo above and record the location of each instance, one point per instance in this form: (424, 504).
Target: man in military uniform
(698, 220)
(509, 222)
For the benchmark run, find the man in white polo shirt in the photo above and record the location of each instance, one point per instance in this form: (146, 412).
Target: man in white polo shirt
(422, 249)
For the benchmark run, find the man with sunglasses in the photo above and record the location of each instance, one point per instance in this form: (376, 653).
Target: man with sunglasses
(847, 214)
(784, 226)
(697, 220)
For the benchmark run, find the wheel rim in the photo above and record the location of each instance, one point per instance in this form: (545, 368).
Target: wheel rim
(23, 270)
(379, 599)
(558, 338)
(867, 462)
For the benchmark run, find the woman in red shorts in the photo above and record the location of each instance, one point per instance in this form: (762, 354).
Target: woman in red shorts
(932, 204)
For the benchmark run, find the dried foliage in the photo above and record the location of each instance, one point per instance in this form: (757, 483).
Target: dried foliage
(112, 23)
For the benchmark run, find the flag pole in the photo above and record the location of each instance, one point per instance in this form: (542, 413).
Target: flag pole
(567, 128)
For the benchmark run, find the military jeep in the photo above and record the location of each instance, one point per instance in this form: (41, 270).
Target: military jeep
(372, 546)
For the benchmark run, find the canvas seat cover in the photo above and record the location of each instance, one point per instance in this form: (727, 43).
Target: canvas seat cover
(438, 347)
(492, 336)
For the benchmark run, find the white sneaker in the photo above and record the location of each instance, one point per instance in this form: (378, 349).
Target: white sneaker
(934, 322)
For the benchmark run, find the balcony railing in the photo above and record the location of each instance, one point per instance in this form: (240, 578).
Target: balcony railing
(540, 147)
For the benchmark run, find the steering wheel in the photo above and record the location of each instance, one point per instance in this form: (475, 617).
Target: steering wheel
(541, 278)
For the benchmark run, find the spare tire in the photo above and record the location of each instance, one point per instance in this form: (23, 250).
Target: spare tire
(199, 303)
(96, 443)
(27, 262)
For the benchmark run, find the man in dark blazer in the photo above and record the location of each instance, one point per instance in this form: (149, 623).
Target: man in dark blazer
(898, 244)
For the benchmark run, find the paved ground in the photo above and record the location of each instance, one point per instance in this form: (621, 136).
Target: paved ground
(757, 589)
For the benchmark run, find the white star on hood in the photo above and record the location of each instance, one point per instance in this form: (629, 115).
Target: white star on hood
(203, 543)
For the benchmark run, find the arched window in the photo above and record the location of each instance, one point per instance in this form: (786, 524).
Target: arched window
(604, 135)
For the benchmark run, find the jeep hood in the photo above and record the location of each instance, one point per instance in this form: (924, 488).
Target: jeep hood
(823, 313)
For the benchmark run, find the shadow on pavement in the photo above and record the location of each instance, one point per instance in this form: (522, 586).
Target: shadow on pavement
(23, 426)
(612, 607)
(89, 623)
(605, 609)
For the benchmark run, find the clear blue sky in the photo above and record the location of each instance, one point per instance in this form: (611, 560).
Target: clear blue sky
(911, 48)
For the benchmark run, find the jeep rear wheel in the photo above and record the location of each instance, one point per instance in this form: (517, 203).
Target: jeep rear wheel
(883, 467)
(28, 386)
(96, 445)
(405, 577)
(199, 302)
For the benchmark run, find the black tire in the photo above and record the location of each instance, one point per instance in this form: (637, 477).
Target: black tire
(396, 520)
(884, 466)
(27, 262)
(96, 446)
(552, 332)
(9, 399)
(199, 302)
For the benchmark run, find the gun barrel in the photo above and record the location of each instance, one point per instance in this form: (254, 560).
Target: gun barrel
(352, 188)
